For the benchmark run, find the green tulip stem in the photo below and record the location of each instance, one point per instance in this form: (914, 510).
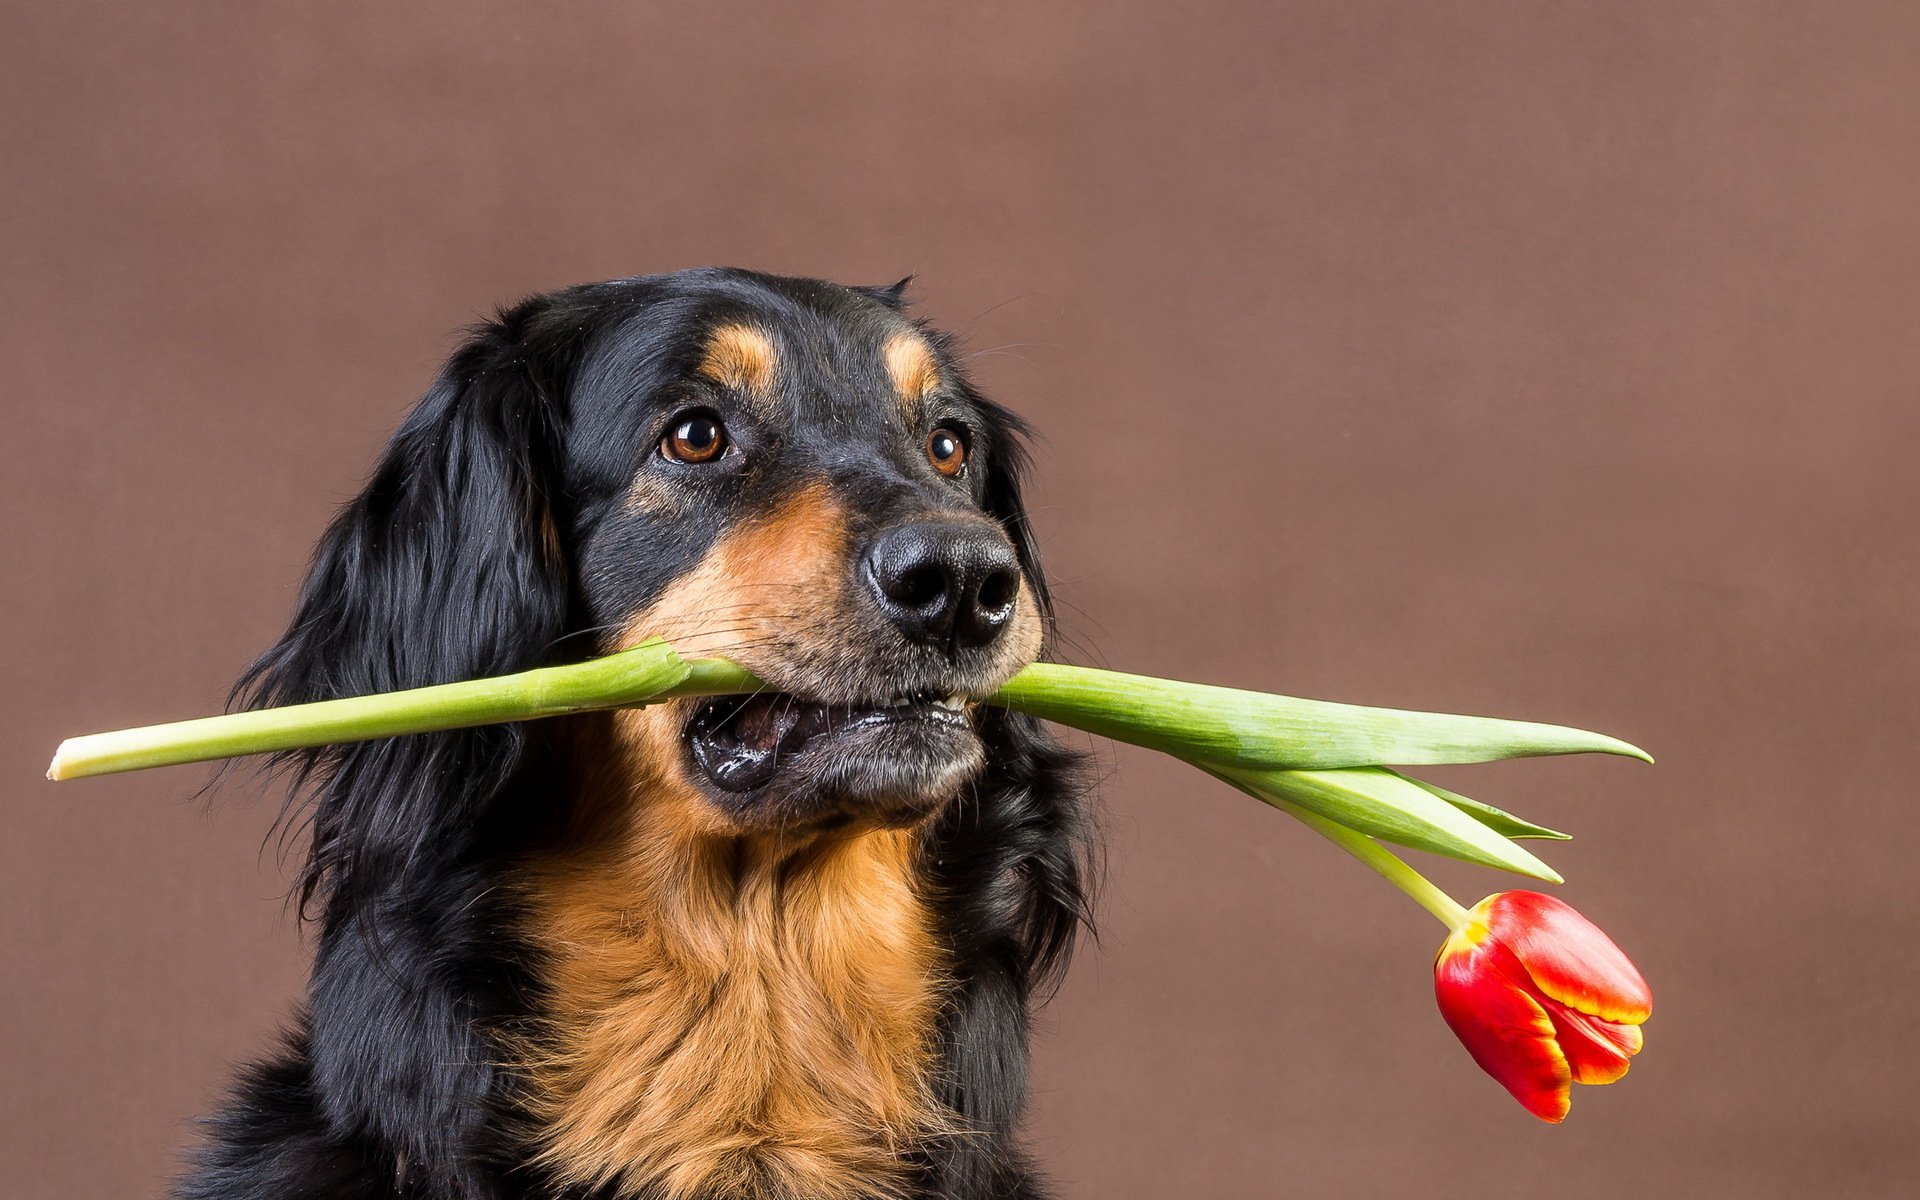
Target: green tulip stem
(1382, 862)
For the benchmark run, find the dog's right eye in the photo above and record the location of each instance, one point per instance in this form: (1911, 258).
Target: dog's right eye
(694, 438)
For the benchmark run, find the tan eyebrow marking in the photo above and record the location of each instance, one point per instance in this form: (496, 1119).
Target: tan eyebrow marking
(911, 365)
(740, 357)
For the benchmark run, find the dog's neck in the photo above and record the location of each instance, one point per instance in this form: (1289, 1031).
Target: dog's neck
(727, 1015)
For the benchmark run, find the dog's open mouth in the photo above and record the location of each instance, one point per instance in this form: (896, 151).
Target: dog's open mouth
(742, 743)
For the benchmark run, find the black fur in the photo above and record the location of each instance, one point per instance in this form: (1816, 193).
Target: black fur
(492, 538)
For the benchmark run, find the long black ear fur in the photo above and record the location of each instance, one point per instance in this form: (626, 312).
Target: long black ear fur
(1013, 866)
(445, 567)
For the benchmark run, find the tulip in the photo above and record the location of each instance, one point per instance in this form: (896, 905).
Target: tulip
(1538, 995)
(1541, 998)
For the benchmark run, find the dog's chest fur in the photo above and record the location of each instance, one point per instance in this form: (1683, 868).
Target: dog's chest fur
(727, 1019)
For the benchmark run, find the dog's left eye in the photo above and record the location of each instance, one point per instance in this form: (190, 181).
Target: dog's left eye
(947, 450)
(694, 438)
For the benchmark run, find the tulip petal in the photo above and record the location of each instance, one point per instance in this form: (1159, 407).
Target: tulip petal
(1597, 1051)
(1567, 956)
(1484, 998)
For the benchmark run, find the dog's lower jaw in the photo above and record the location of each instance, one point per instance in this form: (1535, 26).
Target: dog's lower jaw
(730, 1016)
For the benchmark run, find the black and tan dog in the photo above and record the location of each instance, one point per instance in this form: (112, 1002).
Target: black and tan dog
(780, 945)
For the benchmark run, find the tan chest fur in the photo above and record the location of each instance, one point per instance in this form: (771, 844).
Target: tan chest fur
(731, 1017)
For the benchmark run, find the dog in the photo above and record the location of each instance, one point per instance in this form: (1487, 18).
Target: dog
(779, 946)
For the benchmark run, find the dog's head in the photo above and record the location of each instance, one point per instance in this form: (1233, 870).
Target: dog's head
(795, 476)
(791, 474)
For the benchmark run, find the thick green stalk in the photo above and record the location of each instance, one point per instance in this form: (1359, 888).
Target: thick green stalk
(1194, 721)
(647, 672)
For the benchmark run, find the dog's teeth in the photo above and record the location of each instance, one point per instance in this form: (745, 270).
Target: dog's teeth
(953, 703)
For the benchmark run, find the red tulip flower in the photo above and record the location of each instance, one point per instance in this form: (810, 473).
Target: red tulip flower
(1541, 998)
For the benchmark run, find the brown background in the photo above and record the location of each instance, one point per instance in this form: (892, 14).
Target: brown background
(1556, 360)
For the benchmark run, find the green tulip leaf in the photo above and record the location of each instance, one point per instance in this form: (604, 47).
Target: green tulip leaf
(1257, 729)
(1499, 820)
(1384, 805)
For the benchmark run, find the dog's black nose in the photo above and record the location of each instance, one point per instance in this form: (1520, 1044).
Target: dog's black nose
(951, 584)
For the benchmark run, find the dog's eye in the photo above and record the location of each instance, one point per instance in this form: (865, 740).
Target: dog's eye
(947, 450)
(695, 438)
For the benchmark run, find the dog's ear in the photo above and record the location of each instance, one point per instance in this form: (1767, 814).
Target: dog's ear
(893, 295)
(1015, 868)
(447, 566)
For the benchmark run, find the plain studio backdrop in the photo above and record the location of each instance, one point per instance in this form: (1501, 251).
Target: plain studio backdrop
(1548, 360)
